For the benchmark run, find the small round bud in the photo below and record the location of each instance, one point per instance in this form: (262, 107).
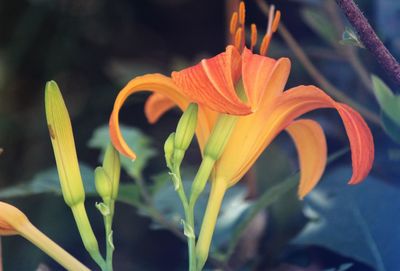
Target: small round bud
(169, 149)
(103, 183)
(186, 127)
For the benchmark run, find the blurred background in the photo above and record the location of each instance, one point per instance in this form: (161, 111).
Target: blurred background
(92, 48)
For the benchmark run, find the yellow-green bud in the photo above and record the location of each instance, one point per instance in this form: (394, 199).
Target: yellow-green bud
(219, 136)
(186, 127)
(169, 150)
(62, 139)
(112, 167)
(103, 183)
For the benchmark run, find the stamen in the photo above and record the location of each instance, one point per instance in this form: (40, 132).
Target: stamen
(275, 23)
(253, 36)
(239, 38)
(242, 13)
(270, 16)
(264, 44)
(234, 21)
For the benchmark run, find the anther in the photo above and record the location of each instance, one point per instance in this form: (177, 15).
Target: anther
(264, 45)
(275, 23)
(242, 13)
(253, 36)
(233, 25)
(270, 17)
(238, 38)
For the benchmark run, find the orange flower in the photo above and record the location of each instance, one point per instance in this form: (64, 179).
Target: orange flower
(13, 221)
(240, 82)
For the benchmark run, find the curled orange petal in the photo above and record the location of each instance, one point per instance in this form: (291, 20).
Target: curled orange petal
(302, 99)
(150, 82)
(310, 142)
(212, 83)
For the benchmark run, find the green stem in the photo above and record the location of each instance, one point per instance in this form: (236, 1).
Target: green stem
(200, 180)
(109, 238)
(189, 219)
(86, 232)
(218, 189)
(189, 214)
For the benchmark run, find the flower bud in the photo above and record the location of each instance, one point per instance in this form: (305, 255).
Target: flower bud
(62, 139)
(219, 136)
(13, 221)
(169, 150)
(112, 168)
(103, 183)
(186, 127)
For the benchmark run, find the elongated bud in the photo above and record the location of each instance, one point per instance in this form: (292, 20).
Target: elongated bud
(186, 127)
(219, 136)
(169, 150)
(103, 183)
(112, 168)
(62, 139)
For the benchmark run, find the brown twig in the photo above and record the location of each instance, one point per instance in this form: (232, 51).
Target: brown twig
(370, 40)
(313, 71)
(349, 51)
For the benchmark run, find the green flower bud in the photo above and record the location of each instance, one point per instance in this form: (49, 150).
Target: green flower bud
(112, 168)
(103, 183)
(169, 150)
(219, 136)
(62, 139)
(186, 127)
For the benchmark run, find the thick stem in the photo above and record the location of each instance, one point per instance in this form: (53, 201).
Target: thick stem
(189, 213)
(87, 235)
(370, 39)
(218, 188)
(43, 242)
(109, 240)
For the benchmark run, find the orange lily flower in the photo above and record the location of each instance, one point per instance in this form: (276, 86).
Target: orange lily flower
(251, 86)
(240, 82)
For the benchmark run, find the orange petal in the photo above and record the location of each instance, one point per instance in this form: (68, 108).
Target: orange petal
(156, 105)
(310, 142)
(153, 82)
(212, 83)
(302, 99)
(252, 133)
(11, 219)
(257, 71)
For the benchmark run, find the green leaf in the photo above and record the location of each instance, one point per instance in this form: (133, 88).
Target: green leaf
(390, 127)
(360, 221)
(266, 200)
(47, 181)
(388, 101)
(129, 194)
(138, 141)
(319, 22)
(349, 37)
